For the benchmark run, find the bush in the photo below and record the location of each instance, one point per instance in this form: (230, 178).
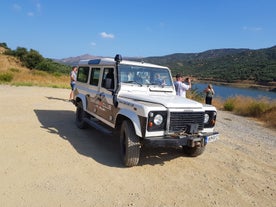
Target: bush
(14, 70)
(6, 77)
(256, 109)
(269, 117)
(53, 67)
(229, 104)
(32, 59)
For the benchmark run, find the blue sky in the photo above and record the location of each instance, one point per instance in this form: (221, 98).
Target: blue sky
(61, 29)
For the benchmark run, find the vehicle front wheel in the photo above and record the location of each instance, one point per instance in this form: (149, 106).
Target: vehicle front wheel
(130, 144)
(80, 116)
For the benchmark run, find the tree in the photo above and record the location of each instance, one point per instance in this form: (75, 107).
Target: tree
(20, 52)
(32, 59)
(4, 45)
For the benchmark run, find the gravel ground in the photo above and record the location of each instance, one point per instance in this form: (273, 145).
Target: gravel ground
(47, 161)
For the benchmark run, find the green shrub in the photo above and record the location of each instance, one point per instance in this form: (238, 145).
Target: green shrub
(14, 70)
(38, 73)
(6, 77)
(229, 104)
(23, 84)
(256, 109)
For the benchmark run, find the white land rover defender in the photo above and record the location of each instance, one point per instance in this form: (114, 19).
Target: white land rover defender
(138, 100)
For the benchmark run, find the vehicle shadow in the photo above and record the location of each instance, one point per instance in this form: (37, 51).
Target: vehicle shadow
(89, 142)
(54, 98)
(158, 155)
(95, 144)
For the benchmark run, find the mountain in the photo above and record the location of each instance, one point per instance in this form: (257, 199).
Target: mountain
(75, 60)
(226, 65)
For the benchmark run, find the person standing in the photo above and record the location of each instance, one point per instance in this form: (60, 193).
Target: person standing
(181, 87)
(209, 91)
(73, 78)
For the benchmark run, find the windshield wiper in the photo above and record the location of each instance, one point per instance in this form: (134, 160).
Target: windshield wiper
(140, 84)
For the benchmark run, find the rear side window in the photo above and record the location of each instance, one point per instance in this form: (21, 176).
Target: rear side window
(83, 73)
(95, 76)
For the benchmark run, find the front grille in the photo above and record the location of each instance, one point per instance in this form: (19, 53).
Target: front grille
(183, 120)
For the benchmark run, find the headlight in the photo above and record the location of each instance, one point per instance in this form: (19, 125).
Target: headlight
(206, 118)
(158, 119)
(210, 119)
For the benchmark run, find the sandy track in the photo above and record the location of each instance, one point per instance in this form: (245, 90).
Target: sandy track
(47, 161)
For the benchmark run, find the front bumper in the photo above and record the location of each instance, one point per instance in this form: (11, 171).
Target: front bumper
(181, 140)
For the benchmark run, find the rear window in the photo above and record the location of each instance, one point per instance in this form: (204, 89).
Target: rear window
(95, 76)
(83, 73)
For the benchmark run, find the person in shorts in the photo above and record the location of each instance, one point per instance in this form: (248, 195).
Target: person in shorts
(73, 78)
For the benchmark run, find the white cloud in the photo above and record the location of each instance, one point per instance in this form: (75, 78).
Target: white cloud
(30, 14)
(162, 24)
(38, 7)
(16, 7)
(252, 29)
(107, 36)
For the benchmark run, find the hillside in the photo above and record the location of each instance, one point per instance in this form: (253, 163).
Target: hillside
(12, 72)
(227, 65)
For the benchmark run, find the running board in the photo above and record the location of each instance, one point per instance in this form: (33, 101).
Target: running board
(97, 126)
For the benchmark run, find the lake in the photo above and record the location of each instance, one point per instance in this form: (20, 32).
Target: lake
(228, 91)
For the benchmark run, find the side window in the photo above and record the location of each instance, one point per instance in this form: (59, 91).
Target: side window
(83, 73)
(95, 76)
(108, 78)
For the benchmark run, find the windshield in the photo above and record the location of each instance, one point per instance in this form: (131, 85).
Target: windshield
(144, 75)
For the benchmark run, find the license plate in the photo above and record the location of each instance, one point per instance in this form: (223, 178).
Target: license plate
(212, 138)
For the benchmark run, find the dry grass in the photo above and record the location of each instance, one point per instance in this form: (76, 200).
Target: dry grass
(11, 67)
(262, 108)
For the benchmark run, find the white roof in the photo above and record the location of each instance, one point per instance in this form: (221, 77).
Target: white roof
(111, 62)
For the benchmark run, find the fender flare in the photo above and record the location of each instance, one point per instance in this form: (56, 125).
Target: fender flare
(133, 118)
(83, 99)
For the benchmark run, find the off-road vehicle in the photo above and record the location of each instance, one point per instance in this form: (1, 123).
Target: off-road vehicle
(138, 102)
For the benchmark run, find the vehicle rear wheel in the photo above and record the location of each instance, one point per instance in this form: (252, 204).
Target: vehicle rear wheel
(193, 151)
(80, 116)
(130, 144)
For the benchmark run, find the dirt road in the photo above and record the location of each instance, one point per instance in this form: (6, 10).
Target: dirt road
(45, 160)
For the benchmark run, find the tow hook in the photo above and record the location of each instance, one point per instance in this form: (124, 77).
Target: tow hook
(198, 144)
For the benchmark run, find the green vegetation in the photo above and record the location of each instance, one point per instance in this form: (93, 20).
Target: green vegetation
(32, 59)
(225, 65)
(14, 70)
(229, 104)
(6, 77)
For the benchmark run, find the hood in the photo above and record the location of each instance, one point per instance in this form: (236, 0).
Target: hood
(165, 99)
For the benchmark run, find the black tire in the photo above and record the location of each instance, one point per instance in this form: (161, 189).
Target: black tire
(80, 115)
(130, 144)
(193, 151)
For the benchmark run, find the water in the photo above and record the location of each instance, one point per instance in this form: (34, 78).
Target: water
(228, 91)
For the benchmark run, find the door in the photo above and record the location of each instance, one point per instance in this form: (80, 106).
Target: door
(93, 90)
(106, 109)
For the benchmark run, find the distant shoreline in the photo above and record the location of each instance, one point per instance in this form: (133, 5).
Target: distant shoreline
(241, 84)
